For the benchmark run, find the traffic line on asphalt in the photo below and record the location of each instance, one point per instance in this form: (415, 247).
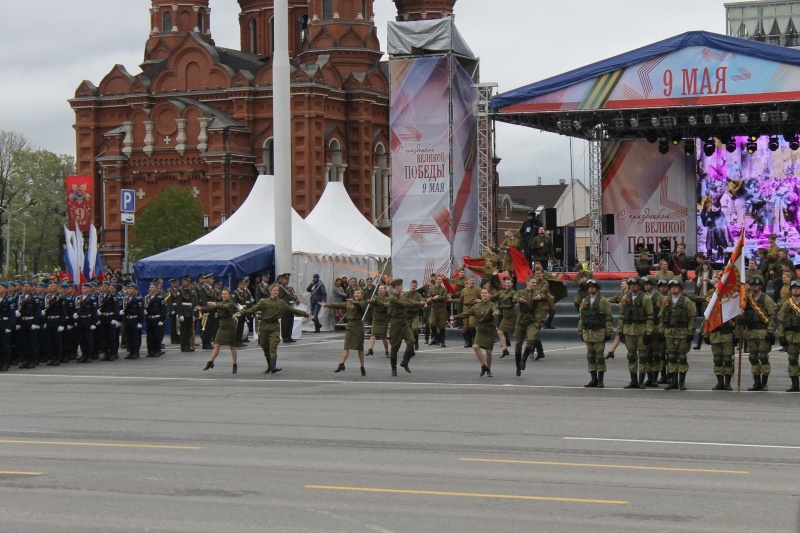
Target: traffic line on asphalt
(10, 473)
(733, 445)
(101, 444)
(466, 494)
(590, 465)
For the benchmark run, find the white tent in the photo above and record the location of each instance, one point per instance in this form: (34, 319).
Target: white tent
(337, 218)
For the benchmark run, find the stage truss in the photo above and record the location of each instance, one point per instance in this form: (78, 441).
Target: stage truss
(486, 195)
(595, 198)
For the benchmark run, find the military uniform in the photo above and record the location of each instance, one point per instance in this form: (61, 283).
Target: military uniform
(205, 294)
(595, 327)
(354, 333)
(635, 325)
(85, 324)
(53, 327)
(185, 302)
(109, 314)
(69, 339)
(399, 329)
(413, 315)
(242, 298)
(156, 312)
(269, 334)
(655, 350)
(226, 332)
(507, 308)
(380, 316)
(438, 314)
(677, 325)
(532, 316)
(722, 345)
(8, 321)
(789, 335)
(642, 267)
(133, 322)
(30, 323)
(170, 301)
(467, 299)
(513, 242)
(759, 319)
(287, 294)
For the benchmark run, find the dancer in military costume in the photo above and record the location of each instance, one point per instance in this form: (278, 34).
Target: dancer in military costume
(483, 313)
(354, 335)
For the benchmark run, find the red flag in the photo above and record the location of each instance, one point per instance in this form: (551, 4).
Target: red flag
(726, 304)
(521, 265)
(472, 262)
(450, 287)
(80, 190)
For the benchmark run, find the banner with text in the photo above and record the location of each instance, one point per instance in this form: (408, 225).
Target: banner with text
(648, 194)
(80, 191)
(420, 209)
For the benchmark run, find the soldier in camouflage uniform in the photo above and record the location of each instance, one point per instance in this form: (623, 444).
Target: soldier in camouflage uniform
(789, 333)
(722, 346)
(595, 328)
(676, 328)
(759, 319)
(635, 326)
(655, 349)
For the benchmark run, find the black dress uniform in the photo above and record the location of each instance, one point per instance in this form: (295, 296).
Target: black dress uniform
(156, 312)
(242, 297)
(85, 320)
(288, 295)
(54, 311)
(30, 322)
(69, 340)
(8, 321)
(109, 320)
(185, 303)
(170, 301)
(133, 321)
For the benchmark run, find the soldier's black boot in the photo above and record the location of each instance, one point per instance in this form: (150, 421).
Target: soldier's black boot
(518, 361)
(664, 379)
(339, 368)
(209, 364)
(699, 340)
(720, 384)
(764, 379)
(641, 380)
(649, 381)
(634, 384)
(593, 382)
(505, 353)
(728, 383)
(441, 339)
(525, 354)
(549, 324)
(600, 384)
(235, 368)
(653, 379)
(483, 370)
(406, 359)
(795, 385)
(539, 350)
(610, 355)
(467, 343)
(673, 381)
(274, 364)
(370, 352)
(416, 341)
(682, 381)
(393, 362)
(756, 383)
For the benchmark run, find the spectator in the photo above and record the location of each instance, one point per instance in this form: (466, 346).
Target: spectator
(318, 294)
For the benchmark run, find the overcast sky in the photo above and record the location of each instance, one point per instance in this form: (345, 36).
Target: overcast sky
(50, 46)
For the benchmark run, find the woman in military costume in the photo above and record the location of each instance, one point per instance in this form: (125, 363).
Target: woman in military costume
(484, 313)
(354, 336)
(508, 314)
(226, 332)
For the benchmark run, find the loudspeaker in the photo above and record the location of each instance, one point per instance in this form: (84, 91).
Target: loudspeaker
(607, 223)
(550, 218)
(564, 246)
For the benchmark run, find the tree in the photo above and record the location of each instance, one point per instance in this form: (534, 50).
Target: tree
(10, 143)
(172, 219)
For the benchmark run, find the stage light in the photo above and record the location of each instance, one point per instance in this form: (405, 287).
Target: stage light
(794, 144)
(668, 122)
(688, 147)
(784, 115)
(619, 122)
(752, 138)
(724, 119)
(634, 121)
(564, 125)
(676, 138)
(652, 137)
(663, 146)
(576, 124)
(730, 146)
(692, 120)
(743, 116)
(751, 147)
(709, 147)
(764, 115)
(707, 119)
(773, 144)
(654, 121)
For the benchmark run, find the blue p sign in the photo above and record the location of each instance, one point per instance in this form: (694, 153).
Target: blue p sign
(128, 201)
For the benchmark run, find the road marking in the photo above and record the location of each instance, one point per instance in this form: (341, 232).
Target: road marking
(10, 473)
(466, 494)
(688, 442)
(589, 465)
(101, 444)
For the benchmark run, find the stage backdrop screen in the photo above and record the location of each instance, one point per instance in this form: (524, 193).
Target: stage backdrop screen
(760, 191)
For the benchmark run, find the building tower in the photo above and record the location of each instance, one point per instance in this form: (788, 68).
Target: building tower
(170, 22)
(409, 10)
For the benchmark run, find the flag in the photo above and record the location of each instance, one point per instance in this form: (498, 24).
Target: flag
(89, 264)
(69, 253)
(468, 262)
(80, 277)
(728, 298)
(521, 266)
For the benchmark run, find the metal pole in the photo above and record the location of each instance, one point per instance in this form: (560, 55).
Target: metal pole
(8, 241)
(281, 101)
(125, 256)
(24, 232)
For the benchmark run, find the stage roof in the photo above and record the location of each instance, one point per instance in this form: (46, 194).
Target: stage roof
(697, 84)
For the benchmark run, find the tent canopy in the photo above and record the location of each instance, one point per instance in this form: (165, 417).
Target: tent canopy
(693, 85)
(339, 220)
(231, 262)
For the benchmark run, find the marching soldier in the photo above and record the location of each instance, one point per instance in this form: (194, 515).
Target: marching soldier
(272, 310)
(635, 325)
(244, 300)
(134, 321)
(759, 319)
(169, 301)
(437, 317)
(677, 324)
(789, 333)
(30, 322)
(8, 321)
(156, 312)
(467, 298)
(54, 310)
(532, 315)
(595, 327)
(399, 329)
(85, 322)
(288, 295)
(109, 311)
(413, 313)
(185, 302)
(508, 314)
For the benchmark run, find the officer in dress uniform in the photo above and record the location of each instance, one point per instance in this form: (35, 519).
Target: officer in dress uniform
(156, 312)
(8, 321)
(205, 294)
(185, 302)
(169, 300)
(69, 342)
(86, 322)
(54, 322)
(244, 300)
(287, 294)
(133, 321)
(789, 333)
(109, 308)
(260, 292)
(30, 322)
(595, 328)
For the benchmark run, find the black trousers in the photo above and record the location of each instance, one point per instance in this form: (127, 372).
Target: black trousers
(174, 331)
(287, 324)
(155, 336)
(187, 331)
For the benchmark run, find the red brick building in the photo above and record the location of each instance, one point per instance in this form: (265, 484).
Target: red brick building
(200, 116)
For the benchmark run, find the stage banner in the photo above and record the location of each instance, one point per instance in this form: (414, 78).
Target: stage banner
(758, 191)
(421, 188)
(648, 193)
(79, 201)
(465, 163)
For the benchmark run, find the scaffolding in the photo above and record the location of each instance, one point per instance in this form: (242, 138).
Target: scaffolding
(595, 197)
(487, 197)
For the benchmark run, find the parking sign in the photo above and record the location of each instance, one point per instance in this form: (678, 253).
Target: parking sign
(128, 201)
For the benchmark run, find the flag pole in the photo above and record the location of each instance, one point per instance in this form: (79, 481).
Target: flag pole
(741, 343)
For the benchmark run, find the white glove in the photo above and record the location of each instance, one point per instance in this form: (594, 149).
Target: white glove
(34, 326)
(114, 323)
(172, 313)
(19, 327)
(145, 313)
(18, 314)
(75, 316)
(160, 323)
(139, 326)
(92, 327)
(8, 331)
(44, 327)
(42, 312)
(180, 319)
(60, 329)
(69, 328)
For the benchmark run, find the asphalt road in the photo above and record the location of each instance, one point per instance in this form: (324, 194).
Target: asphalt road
(158, 445)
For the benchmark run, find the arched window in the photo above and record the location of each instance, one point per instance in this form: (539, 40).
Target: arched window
(268, 155)
(253, 37)
(201, 23)
(327, 9)
(303, 29)
(167, 22)
(272, 35)
(335, 169)
(364, 9)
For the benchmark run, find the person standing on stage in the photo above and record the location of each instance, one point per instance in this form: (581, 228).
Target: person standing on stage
(354, 335)
(541, 247)
(483, 312)
(511, 241)
(635, 325)
(595, 328)
(759, 319)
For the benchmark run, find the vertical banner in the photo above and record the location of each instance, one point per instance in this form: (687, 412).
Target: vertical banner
(419, 125)
(651, 196)
(79, 201)
(465, 163)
